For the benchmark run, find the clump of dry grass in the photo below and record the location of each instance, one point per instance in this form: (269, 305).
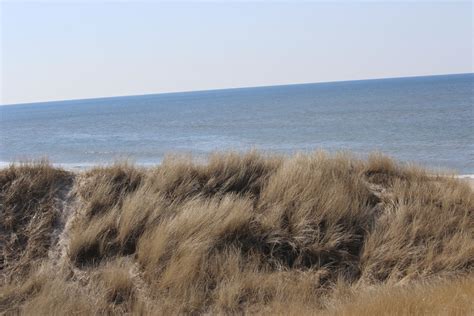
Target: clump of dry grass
(101, 193)
(28, 213)
(426, 230)
(436, 297)
(252, 234)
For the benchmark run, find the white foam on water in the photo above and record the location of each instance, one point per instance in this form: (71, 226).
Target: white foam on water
(87, 166)
(465, 176)
(80, 166)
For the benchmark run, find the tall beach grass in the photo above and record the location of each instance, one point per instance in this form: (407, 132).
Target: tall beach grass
(241, 233)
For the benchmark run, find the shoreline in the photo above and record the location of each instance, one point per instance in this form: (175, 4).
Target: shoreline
(72, 166)
(79, 167)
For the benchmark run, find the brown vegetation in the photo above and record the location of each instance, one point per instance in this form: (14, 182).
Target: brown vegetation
(319, 233)
(28, 213)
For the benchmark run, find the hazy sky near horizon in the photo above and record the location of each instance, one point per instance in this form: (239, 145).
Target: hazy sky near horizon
(57, 51)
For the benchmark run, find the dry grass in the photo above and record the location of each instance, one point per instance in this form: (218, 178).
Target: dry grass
(28, 213)
(240, 234)
(438, 297)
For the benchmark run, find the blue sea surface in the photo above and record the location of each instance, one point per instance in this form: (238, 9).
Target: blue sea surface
(426, 120)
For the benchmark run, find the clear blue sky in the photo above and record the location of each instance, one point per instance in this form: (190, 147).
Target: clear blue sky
(54, 51)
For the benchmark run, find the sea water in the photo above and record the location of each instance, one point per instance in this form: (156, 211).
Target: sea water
(425, 120)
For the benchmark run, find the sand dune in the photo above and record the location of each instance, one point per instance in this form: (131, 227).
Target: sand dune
(309, 234)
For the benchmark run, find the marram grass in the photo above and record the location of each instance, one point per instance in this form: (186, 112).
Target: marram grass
(241, 233)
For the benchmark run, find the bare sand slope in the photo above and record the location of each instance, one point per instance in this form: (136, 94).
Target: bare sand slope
(470, 181)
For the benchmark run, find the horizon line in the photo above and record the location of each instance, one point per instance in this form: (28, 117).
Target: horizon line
(230, 88)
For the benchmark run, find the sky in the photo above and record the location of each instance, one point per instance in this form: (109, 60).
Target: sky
(60, 51)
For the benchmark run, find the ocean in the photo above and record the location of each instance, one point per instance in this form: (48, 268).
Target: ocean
(425, 120)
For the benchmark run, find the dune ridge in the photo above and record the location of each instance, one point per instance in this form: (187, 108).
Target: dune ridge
(241, 233)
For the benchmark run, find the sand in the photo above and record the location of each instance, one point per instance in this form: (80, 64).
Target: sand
(470, 181)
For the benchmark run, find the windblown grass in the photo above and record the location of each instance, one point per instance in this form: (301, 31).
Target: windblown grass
(28, 213)
(319, 233)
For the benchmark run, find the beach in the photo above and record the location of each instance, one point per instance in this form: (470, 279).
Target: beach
(471, 182)
(236, 158)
